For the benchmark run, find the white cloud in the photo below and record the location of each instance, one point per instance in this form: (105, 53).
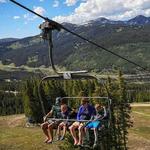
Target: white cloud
(41, 0)
(2, 1)
(29, 17)
(70, 2)
(16, 17)
(56, 3)
(115, 9)
(39, 10)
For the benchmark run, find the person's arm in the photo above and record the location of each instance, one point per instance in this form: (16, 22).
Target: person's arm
(79, 113)
(67, 119)
(103, 116)
(105, 112)
(49, 114)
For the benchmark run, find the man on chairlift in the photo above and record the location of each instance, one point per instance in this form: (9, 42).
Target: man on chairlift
(49, 124)
(85, 112)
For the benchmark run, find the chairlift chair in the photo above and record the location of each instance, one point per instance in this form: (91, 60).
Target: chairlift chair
(68, 75)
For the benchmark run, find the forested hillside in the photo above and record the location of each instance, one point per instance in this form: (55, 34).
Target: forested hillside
(130, 39)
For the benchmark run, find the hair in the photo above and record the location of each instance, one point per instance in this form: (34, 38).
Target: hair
(63, 106)
(63, 101)
(98, 105)
(84, 100)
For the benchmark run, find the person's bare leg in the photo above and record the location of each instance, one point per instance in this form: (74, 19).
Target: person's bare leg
(44, 127)
(58, 131)
(73, 133)
(64, 130)
(50, 129)
(96, 136)
(86, 133)
(80, 135)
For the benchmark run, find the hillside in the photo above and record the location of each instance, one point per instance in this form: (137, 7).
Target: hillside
(130, 39)
(14, 134)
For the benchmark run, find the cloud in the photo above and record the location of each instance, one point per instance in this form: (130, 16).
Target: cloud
(70, 2)
(29, 17)
(39, 10)
(16, 17)
(2, 1)
(56, 3)
(41, 0)
(116, 9)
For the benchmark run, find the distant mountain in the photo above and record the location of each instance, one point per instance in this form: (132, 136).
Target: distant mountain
(7, 40)
(131, 39)
(139, 20)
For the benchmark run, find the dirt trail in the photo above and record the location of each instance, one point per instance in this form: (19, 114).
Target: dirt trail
(141, 143)
(13, 120)
(140, 104)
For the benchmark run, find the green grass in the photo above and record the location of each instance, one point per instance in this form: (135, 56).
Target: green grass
(139, 134)
(145, 110)
(18, 137)
(15, 136)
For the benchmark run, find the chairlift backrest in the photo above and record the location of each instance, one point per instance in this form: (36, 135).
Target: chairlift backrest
(106, 102)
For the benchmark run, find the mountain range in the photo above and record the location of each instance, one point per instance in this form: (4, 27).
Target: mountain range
(130, 39)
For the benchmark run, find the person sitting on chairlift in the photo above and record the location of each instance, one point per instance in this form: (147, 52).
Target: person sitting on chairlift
(65, 114)
(49, 124)
(84, 113)
(95, 122)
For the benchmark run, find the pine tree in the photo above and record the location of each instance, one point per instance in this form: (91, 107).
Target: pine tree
(124, 111)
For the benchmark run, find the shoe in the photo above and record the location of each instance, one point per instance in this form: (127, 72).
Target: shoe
(75, 146)
(94, 146)
(58, 138)
(61, 138)
(80, 145)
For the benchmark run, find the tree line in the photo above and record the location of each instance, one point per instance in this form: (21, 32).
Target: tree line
(27, 101)
(11, 98)
(13, 103)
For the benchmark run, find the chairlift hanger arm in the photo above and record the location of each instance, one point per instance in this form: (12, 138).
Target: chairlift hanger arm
(58, 26)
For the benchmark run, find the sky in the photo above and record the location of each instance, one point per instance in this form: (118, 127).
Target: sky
(18, 23)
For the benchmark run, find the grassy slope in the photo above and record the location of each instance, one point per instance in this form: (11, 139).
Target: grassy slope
(139, 135)
(14, 135)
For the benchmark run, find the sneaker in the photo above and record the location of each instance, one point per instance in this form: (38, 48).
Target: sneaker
(61, 138)
(80, 145)
(94, 146)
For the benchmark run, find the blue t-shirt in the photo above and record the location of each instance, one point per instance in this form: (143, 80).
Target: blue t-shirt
(85, 113)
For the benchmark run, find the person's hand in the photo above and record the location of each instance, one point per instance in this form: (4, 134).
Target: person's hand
(45, 118)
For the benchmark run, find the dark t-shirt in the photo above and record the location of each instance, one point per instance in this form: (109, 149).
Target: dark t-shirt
(56, 111)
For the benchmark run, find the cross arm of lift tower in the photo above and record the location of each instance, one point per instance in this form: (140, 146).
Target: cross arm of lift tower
(56, 26)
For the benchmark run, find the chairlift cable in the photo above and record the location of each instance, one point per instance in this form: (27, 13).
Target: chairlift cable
(59, 26)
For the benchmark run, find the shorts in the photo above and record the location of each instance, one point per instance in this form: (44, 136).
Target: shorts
(94, 124)
(54, 123)
(78, 124)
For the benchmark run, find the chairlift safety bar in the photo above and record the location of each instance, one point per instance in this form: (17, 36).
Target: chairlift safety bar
(71, 120)
(97, 97)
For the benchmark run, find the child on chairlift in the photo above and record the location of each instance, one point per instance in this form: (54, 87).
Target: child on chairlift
(95, 122)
